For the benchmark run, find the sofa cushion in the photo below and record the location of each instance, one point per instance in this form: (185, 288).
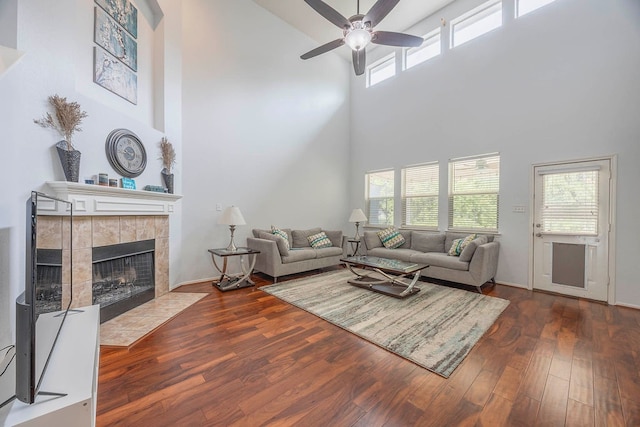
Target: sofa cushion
(300, 237)
(439, 259)
(327, 252)
(335, 236)
(299, 254)
(450, 236)
(320, 240)
(427, 242)
(391, 238)
(285, 236)
(283, 248)
(470, 249)
(401, 254)
(257, 231)
(371, 240)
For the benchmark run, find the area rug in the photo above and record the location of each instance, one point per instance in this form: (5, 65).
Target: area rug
(130, 327)
(435, 328)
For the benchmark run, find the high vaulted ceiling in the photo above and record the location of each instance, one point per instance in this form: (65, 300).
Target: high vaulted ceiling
(301, 16)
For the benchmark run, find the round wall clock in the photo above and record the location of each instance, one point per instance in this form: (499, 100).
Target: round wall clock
(126, 153)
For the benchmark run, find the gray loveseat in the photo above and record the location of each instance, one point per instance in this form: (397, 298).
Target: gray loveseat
(276, 260)
(475, 267)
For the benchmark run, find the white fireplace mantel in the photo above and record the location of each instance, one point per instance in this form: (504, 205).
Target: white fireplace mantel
(95, 200)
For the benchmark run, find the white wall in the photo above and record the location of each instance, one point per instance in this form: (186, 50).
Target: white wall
(263, 130)
(57, 38)
(560, 83)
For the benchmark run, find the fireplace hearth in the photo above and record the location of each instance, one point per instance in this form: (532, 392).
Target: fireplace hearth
(123, 277)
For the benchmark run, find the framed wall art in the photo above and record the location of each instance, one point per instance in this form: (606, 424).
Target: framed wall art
(114, 76)
(109, 35)
(123, 12)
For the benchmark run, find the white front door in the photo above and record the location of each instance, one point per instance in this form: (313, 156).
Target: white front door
(571, 228)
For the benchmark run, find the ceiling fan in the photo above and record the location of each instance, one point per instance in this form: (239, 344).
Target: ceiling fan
(358, 31)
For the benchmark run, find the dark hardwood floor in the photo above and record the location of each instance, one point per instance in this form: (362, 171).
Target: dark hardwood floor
(245, 358)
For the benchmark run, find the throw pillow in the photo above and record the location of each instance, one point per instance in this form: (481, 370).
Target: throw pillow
(391, 238)
(459, 244)
(277, 232)
(282, 248)
(320, 240)
(470, 249)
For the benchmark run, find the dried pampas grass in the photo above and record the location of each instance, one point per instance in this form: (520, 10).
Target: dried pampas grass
(68, 117)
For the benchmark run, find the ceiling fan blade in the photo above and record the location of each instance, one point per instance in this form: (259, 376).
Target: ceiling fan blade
(329, 13)
(389, 38)
(323, 49)
(359, 61)
(379, 10)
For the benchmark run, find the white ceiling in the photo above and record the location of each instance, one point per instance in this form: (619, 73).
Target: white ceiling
(301, 16)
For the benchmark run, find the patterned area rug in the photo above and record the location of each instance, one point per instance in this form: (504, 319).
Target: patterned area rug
(436, 328)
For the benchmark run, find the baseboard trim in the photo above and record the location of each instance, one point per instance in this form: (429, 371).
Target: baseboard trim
(513, 285)
(624, 304)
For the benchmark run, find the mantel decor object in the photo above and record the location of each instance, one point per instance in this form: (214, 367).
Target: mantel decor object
(70, 161)
(125, 153)
(168, 157)
(66, 119)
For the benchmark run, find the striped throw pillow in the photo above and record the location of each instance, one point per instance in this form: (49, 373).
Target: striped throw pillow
(459, 244)
(391, 238)
(277, 232)
(320, 240)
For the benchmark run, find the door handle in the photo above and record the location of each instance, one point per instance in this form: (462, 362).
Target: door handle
(538, 234)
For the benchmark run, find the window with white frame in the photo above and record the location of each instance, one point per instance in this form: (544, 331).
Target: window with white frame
(476, 22)
(474, 184)
(379, 195)
(525, 6)
(420, 188)
(430, 48)
(381, 70)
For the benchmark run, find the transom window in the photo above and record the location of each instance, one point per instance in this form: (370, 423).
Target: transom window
(379, 194)
(525, 6)
(477, 22)
(474, 184)
(381, 70)
(420, 187)
(430, 48)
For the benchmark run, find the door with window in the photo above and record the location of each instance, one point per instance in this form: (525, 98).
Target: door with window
(571, 228)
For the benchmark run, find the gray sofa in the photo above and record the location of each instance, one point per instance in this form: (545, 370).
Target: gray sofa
(475, 267)
(276, 260)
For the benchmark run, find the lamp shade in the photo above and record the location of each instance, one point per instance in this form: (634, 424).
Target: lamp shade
(357, 216)
(231, 216)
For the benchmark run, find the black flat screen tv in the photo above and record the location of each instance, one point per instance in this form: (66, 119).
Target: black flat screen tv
(42, 308)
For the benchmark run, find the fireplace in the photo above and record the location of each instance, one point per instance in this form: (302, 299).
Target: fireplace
(48, 280)
(123, 277)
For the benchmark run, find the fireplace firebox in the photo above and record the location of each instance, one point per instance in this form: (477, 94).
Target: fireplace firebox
(123, 277)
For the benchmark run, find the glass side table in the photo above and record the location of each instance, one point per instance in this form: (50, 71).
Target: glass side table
(228, 281)
(355, 245)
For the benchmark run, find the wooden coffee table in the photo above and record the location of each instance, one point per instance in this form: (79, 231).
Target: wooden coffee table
(391, 270)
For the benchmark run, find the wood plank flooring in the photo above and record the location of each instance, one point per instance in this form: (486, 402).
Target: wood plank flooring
(245, 358)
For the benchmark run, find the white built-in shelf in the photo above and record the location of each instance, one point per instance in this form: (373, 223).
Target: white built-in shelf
(92, 200)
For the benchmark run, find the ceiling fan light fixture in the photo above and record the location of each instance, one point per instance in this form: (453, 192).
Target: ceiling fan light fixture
(357, 38)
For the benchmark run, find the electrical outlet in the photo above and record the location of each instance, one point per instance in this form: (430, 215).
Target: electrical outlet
(519, 209)
(218, 207)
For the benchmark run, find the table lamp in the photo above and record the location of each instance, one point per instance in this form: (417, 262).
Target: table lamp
(357, 216)
(232, 217)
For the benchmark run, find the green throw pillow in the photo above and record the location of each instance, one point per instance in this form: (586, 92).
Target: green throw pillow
(277, 232)
(320, 240)
(459, 244)
(391, 238)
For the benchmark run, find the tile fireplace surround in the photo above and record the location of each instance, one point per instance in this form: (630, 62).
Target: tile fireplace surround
(106, 216)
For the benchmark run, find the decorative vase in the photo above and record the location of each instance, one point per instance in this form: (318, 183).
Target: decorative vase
(70, 160)
(167, 178)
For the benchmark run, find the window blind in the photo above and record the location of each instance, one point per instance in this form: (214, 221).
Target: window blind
(420, 187)
(379, 197)
(570, 202)
(474, 184)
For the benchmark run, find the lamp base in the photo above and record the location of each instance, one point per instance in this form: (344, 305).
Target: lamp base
(357, 236)
(232, 247)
